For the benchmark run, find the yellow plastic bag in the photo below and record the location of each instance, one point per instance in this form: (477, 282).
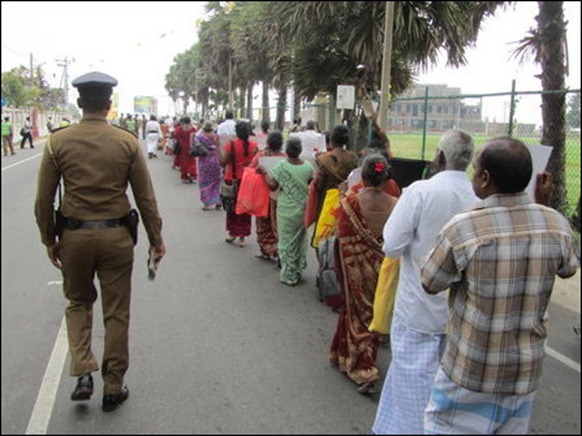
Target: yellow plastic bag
(385, 296)
(327, 222)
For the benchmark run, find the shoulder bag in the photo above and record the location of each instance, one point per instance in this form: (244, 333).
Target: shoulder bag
(228, 192)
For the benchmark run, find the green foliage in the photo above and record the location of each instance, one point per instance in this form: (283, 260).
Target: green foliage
(20, 90)
(13, 90)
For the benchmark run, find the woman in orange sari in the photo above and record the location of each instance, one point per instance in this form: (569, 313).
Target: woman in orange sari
(361, 219)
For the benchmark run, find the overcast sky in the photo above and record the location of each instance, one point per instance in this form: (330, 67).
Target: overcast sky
(136, 42)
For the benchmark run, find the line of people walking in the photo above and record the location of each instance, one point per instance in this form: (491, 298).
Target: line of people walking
(456, 356)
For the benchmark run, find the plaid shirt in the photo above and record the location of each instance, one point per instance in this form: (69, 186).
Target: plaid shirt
(500, 260)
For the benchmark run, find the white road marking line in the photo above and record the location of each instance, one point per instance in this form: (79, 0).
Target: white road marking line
(565, 360)
(21, 162)
(55, 283)
(41, 414)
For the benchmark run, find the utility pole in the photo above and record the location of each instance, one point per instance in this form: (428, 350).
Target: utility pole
(31, 71)
(65, 76)
(386, 65)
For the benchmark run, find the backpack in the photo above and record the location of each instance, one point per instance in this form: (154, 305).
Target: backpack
(328, 275)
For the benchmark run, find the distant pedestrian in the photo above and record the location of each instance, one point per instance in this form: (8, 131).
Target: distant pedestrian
(236, 155)
(131, 124)
(26, 133)
(153, 134)
(209, 169)
(227, 127)
(184, 134)
(49, 125)
(144, 121)
(7, 136)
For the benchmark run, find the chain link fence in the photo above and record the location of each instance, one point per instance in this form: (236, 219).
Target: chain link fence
(416, 124)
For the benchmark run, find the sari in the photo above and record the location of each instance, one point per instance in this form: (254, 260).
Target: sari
(209, 171)
(292, 246)
(354, 348)
(238, 225)
(187, 163)
(266, 227)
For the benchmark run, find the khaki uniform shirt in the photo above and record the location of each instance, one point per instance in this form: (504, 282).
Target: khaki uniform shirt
(97, 161)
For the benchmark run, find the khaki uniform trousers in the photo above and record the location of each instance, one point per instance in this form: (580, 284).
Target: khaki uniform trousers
(109, 254)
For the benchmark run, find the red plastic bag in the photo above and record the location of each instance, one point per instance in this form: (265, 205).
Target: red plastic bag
(253, 194)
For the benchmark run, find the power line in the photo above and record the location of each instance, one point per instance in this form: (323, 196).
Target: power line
(64, 84)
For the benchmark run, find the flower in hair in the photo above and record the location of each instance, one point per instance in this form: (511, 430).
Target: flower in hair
(379, 167)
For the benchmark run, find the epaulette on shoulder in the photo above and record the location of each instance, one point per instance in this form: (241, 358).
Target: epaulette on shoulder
(56, 129)
(124, 129)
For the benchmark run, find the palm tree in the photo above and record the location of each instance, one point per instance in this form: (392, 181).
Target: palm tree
(332, 41)
(547, 45)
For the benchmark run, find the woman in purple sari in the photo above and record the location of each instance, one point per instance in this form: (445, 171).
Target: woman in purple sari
(209, 169)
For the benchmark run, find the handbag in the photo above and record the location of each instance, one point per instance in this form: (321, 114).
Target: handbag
(22, 132)
(253, 194)
(176, 147)
(197, 149)
(228, 192)
(385, 296)
(326, 224)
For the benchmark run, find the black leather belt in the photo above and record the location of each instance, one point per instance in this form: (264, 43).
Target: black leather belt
(153, 131)
(73, 224)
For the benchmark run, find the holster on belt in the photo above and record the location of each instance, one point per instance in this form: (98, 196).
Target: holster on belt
(132, 221)
(60, 223)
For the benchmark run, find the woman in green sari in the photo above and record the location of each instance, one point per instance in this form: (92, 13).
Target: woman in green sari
(292, 176)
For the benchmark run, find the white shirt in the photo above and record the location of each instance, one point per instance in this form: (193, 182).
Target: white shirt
(153, 126)
(311, 141)
(226, 128)
(410, 233)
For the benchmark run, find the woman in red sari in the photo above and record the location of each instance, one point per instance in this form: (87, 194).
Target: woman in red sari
(238, 154)
(361, 219)
(267, 226)
(183, 134)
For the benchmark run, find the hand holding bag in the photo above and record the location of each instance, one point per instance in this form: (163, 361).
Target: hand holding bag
(228, 192)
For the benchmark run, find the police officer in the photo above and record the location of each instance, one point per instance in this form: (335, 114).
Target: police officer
(96, 161)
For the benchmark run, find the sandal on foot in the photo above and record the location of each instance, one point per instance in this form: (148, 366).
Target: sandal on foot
(262, 256)
(230, 239)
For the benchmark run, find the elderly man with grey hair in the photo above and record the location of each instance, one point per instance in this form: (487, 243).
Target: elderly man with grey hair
(418, 330)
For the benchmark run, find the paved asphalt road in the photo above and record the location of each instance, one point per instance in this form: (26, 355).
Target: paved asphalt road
(218, 345)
